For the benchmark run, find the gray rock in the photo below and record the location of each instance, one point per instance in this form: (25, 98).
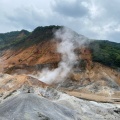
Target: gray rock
(33, 107)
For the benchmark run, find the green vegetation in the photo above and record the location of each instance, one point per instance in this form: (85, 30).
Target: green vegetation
(18, 39)
(10, 39)
(42, 34)
(106, 52)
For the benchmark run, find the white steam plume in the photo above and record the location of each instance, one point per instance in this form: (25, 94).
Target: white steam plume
(69, 41)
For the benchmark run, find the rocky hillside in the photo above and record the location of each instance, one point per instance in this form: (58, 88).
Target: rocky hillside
(38, 49)
(26, 98)
(94, 76)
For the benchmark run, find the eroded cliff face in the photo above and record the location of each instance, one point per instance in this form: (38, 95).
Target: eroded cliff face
(86, 76)
(42, 53)
(85, 55)
(92, 80)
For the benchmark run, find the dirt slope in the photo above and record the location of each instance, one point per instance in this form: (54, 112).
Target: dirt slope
(93, 78)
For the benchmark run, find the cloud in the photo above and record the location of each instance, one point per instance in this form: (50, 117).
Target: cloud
(27, 17)
(17, 15)
(70, 9)
(92, 18)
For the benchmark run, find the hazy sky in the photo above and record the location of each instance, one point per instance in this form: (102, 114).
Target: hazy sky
(98, 19)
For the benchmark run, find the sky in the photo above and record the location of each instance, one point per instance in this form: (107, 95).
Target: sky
(95, 19)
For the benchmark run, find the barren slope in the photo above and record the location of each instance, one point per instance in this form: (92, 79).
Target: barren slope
(23, 96)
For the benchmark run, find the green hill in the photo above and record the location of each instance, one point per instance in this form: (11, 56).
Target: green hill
(106, 52)
(11, 38)
(24, 39)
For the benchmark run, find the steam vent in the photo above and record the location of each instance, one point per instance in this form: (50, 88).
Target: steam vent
(54, 73)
